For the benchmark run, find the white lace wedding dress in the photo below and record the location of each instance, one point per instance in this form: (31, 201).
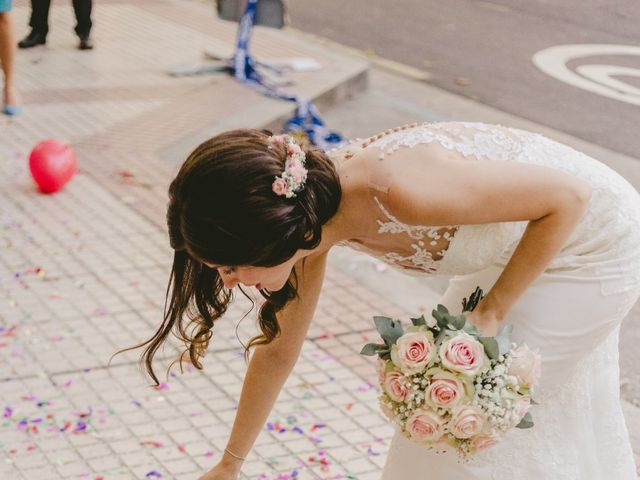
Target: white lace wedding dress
(571, 313)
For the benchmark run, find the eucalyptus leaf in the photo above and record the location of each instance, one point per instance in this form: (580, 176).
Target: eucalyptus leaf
(441, 318)
(458, 322)
(372, 348)
(490, 347)
(526, 422)
(390, 330)
(440, 337)
(471, 329)
(533, 402)
(418, 322)
(382, 322)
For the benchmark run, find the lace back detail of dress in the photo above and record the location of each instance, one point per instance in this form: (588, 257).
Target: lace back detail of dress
(431, 249)
(606, 242)
(429, 243)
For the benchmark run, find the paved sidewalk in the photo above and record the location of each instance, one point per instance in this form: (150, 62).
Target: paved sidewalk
(83, 272)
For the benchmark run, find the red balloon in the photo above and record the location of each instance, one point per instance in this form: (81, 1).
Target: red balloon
(52, 164)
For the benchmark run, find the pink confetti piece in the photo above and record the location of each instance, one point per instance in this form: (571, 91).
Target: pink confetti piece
(209, 453)
(11, 332)
(152, 443)
(317, 426)
(364, 388)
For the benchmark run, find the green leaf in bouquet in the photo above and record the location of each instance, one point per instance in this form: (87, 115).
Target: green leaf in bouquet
(372, 348)
(441, 315)
(440, 337)
(490, 347)
(390, 330)
(504, 339)
(474, 299)
(381, 321)
(526, 422)
(457, 322)
(533, 402)
(418, 322)
(471, 329)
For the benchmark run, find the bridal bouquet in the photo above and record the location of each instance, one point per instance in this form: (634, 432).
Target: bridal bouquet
(446, 385)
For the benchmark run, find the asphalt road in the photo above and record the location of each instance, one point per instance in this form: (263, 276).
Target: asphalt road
(484, 50)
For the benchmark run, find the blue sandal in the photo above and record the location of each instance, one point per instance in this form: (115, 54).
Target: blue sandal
(12, 110)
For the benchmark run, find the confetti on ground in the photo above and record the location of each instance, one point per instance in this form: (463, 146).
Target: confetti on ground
(152, 443)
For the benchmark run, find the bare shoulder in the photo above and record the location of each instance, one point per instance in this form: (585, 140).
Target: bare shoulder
(453, 190)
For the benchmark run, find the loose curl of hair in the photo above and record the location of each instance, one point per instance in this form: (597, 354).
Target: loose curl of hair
(223, 211)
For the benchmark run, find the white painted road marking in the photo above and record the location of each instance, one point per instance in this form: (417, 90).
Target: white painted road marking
(594, 78)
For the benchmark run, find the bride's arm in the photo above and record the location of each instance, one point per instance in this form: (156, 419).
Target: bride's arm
(460, 192)
(271, 364)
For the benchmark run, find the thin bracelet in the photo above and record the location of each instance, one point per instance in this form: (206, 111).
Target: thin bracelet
(234, 455)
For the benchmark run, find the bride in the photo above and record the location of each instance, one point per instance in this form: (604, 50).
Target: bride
(551, 235)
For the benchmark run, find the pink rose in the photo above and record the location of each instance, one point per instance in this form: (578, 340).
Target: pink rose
(445, 390)
(463, 354)
(526, 365)
(280, 186)
(396, 386)
(466, 421)
(413, 351)
(279, 139)
(483, 441)
(293, 150)
(297, 171)
(425, 426)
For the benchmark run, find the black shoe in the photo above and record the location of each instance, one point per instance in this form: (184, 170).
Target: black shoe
(33, 39)
(85, 43)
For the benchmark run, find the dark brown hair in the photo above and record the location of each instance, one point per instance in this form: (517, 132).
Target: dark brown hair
(223, 211)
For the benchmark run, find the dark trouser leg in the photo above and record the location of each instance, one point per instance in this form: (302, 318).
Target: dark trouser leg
(39, 16)
(82, 8)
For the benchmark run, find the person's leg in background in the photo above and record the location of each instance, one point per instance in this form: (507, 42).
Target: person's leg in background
(82, 9)
(39, 24)
(7, 59)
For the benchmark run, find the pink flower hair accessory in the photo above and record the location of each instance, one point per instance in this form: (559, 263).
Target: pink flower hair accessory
(294, 176)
